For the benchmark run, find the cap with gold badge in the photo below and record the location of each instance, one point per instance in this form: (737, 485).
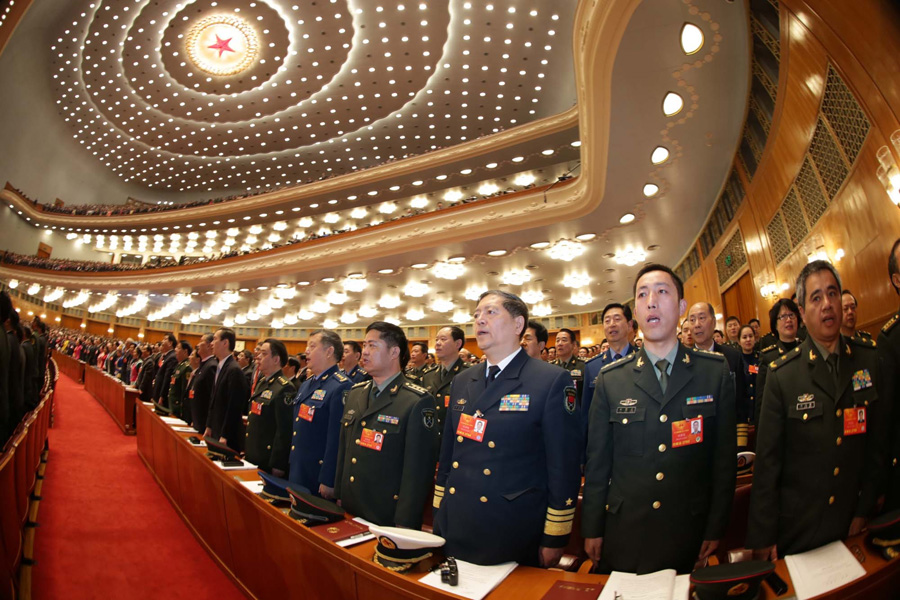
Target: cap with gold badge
(401, 549)
(312, 510)
(884, 534)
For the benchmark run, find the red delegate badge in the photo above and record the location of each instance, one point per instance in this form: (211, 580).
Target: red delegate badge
(307, 412)
(256, 407)
(687, 432)
(754, 369)
(855, 420)
(371, 439)
(471, 427)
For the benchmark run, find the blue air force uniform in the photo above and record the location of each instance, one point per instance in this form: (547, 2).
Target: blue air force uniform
(357, 374)
(661, 467)
(318, 407)
(501, 498)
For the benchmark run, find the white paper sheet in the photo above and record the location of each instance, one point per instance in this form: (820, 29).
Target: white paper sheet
(182, 429)
(254, 486)
(172, 421)
(824, 569)
(475, 581)
(652, 586)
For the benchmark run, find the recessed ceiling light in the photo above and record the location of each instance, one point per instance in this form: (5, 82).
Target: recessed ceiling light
(456, 259)
(420, 266)
(691, 38)
(584, 237)
(626, 218)
(650, 190)
(672, 104)
(496, 252)
(385, 271)
(327, 279)
(659, 156)
(540, 245)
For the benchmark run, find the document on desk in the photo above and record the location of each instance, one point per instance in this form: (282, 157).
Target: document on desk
(824, 569)
(661, 585)
(183, 429)
(172, 421)
(475, 581)
(254, 486)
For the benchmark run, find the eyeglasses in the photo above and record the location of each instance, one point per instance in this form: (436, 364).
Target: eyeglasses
(787, 317)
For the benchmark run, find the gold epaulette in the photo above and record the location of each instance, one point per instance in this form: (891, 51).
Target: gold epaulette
(768, 348)
(559, 522)
(283, 380)
(890, 324)
(363, 383)
(416, 388)
(787, 356)
(862, 342)
(341, 377)
(709, 353)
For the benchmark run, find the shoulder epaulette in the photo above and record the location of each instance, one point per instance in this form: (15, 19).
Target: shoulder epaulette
(890, 324)
(416, 388)
(768, 348)
(618, 363)
(862, 342)
(784, 358)
(341, 377)
(362, 383)
(709, 354)
(283, 380)
(593, 358)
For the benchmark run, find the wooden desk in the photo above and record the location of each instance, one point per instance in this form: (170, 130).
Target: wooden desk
(118, 399)
(269, 555)
(71, 367)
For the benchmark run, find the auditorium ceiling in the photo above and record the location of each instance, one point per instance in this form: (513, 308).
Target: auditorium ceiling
(210, 98)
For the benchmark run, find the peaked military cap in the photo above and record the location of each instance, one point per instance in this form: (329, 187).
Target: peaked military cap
(884, 534)
(735, 581)
(312, 510)
(274, 488)
(218, 450)
(400, 549)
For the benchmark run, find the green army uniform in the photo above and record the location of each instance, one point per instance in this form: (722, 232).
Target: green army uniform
(767, 356)
(178, 389)
(862, 336)
(437, 381)
(385, 465)
(654, 486)
(889, 359)
(576, 368)
(819, 447)
(268, 437)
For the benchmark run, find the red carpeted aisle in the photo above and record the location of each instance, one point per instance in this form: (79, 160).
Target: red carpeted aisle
(106, 529)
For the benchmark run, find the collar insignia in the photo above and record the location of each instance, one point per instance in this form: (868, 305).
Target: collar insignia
(686, 360)
(394, 389)
(812, 355)
(640, 362)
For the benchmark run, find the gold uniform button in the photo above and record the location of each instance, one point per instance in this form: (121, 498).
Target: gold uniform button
(663, 418)
(352, 479)
(396, 497)
(298, 420)
(491, 444)
(483, 498)
(838, 441)
(660, 476)
(453, 490)
(292, 447)
(607, 507)
(487, 471)
(357, 442)
(894, 462)
(363, 423)
(838, 412)
(247, 434)
(455, 464)
(459, 438)
(656, 505)
(836, 471)
(831, 500)
(295, 433)
(270, 447)
(662, 447)
(322, 461)
(625, 421)
(353, 460)
(805, 416)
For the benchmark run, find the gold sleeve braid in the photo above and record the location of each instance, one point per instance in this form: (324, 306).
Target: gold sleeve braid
(438, 496)
(559, 522)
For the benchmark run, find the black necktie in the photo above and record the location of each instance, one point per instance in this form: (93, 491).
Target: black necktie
(616, 356)
(493, 371)
(662, 364)
(832, 362)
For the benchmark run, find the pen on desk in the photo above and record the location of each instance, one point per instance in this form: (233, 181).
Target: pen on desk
(359, 535)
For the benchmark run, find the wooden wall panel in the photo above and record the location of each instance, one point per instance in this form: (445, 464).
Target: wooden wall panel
(70, 322)
(124, 332)
(97, 328)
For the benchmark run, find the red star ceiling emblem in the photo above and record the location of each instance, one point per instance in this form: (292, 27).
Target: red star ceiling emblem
(222, 46)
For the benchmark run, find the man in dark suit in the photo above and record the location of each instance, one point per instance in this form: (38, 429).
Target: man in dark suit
(508, 479)
(657, 496)
(230, 394)
(165, 367)
(316, 409)
(818, 465)
(702, 318)
(201, 386)
(447, 344)
(144, 381)
(385, 464)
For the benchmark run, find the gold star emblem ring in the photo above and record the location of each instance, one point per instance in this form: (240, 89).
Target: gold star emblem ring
(568, 502)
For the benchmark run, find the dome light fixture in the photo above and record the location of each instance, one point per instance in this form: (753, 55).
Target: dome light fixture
(672, 104)
(691, 38)
(659, 155)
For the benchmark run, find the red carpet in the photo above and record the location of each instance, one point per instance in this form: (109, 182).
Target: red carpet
(106, 529)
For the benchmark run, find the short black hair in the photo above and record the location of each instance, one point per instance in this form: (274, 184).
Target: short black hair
(732, 318)
(247, 354)
(613, 305)
(393, 336)
(776, 308)
(679, 285)
(513, 305)
(184, 345)
(572, 337)
(815, 266)
(457, 334)
(277, 348)
(357, 349)
(741, 330)
(893, 267)
(719, 331)
(207, 337)
(226, 333)
(423, 346)
(172, 339)
(294, 364)
(849, 293)
(540, 332)
(752, 321)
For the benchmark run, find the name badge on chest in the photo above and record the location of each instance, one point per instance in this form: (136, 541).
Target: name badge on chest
(514, 403)
(371, 439)
(307, 412)
(855, 420)
(471, 427)
(687, 432)
(256, 407)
